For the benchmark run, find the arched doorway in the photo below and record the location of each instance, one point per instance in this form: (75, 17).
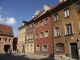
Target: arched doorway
(6, 48)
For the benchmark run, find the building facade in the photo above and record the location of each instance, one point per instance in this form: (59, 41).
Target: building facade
(43, 43)
(6, 38)
(56, 31)
(29, 43)
(66, 26)
(21, 37)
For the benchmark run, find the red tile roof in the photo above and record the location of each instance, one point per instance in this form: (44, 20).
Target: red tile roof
(56, 5)
(6, 30)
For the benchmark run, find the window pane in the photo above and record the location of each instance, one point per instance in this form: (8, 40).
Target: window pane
(78, 6)
(46, 33)
(60, 47)
(68, 29)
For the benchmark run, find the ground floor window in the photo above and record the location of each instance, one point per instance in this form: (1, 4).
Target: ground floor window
(45, 48)
(37, 47)
(60, 47)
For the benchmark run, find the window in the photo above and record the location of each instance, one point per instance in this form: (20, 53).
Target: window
(31, 26)
(37, 48)
(0, 39)
(66, 12)
(41, 35)
(46, 21)
(78, 6)
(31, 44)
(68, 29)
(37, 25)
(5, 39)
(60, 47)
(27, 37)
(41, 23)
(57, 32)
(9, 40)
(0, 32)
(79, 26)
(46, 33)
(56, 17)
(36, 36)
(45, 48)
(31, 36)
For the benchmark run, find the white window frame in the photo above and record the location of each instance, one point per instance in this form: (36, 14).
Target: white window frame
(46, 21)
(41, 23)
(43, 48)
(60, 48)
(67, 12)
(70, 31)
(37, 48)
(56, 17)
(36, 36)
(57, 32)
(46, 33)
(41, 35)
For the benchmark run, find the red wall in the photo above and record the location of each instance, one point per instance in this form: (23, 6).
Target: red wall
(46, 40)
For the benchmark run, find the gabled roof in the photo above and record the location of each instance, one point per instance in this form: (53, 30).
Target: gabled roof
(6, 30)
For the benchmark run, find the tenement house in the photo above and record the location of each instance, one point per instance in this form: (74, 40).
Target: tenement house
(29, 43)
(6, 38)
(21, 37)
(43, 42)
(66, 27)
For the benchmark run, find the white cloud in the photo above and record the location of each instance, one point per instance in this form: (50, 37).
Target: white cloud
(10, 20)
(7, 20)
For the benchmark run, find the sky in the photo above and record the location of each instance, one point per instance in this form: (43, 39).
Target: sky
(13, 12)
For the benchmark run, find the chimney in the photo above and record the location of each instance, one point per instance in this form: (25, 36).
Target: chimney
(36, 13)
(46, 7)
(62, 0)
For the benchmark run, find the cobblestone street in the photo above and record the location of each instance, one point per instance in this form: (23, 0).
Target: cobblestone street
(23, 57)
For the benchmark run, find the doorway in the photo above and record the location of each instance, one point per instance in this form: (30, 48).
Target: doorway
(74, 50)
(6, 48)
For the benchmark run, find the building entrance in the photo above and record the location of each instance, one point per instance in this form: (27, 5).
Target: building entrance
(74, 50)
(6, 48)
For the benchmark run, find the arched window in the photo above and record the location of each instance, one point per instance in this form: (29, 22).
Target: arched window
(60, 47)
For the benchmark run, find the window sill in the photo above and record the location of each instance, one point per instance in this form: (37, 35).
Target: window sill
(67, 17)
(69, 34)
(60, 51)
(57, 36)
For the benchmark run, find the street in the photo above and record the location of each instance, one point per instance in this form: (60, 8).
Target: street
(12, 57)
(20, 57)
